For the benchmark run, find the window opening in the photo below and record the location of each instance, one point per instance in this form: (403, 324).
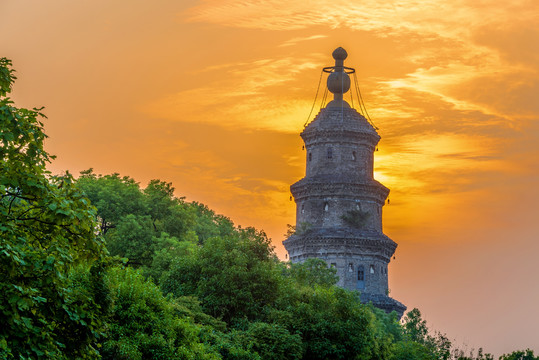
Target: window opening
(303, 208)
(372, 269)
(361, 273)
(330, 153)
(350, 267)
(326, 207)
(353, 156)
(310, 156)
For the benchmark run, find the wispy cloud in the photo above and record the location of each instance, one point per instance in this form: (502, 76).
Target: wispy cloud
(296, 40)
(445, 41)
(243, 100)
(436, 17)
(443, 82)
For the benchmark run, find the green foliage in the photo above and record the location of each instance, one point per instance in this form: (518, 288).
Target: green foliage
(333, 324)
(132, 238)
(459, 355)
(273, 341)
(209, 225)
(47, 228)
(411, 350)
(301, 229)
(230, 345)
(146, 226)
(290, 230)
(520, 355)
(356, 218)
(167, 250)
(313, 272)
(145, 325)
(418, 343)
(416, 330)
(234, 277)
(189, 306)
(113, 196)
(6, 76)
(168, 213)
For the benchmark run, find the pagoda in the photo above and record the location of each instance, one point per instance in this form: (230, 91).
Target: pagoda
(338, 202)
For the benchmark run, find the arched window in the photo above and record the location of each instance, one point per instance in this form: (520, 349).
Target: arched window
(353, 156)
(371, 269)
(330, 153)
(326, 206)
(302, 208)
(350, 267)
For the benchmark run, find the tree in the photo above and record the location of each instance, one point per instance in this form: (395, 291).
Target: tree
(272, 341)
(133, 238)
(134, 221)
(168, 213)
(235, 277)
(47, 228)
(416, 330)
(332, 322)
(314, 271)
(208, 224)
(520, 355)
(144, 324)
(113, 196)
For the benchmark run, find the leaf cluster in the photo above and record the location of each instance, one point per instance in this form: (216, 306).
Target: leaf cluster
(47, 228)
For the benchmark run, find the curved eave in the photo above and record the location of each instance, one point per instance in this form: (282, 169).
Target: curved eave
(335, 185)
(320, 242)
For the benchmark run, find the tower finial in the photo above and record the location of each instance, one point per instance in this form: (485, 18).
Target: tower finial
(339, 54)
(338, 81)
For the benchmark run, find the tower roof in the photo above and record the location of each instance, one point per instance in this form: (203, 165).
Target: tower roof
(341, 119)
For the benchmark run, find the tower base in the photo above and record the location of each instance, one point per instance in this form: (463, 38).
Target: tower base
(384, 302)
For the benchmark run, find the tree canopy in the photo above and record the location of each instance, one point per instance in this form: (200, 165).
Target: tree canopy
(47, 228)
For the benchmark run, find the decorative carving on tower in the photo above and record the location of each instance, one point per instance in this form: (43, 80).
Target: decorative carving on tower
(338, 202)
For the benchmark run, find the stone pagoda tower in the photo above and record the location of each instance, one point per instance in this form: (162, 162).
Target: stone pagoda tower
(339, 204)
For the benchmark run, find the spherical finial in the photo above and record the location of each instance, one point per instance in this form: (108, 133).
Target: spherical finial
(338, 82)
(339, 54)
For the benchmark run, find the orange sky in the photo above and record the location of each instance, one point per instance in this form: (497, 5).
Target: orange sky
(211, 95)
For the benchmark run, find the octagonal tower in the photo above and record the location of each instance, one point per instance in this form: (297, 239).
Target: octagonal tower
(338, 202)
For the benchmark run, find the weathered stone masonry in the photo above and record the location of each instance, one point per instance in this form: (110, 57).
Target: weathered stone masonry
(338, 202)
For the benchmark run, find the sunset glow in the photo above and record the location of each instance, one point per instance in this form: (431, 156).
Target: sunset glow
(211, 95)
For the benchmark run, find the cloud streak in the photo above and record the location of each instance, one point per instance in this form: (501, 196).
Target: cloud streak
(243, 100)
(296, 40)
